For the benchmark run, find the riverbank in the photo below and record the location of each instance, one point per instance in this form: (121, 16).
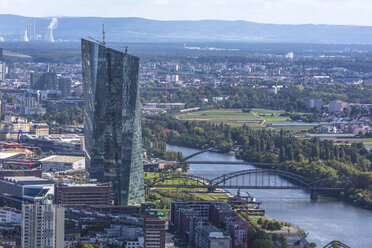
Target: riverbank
(351, 195)
(161, 196)
(326, 219)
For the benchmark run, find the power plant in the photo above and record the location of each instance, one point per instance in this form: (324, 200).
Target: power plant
(30, 33)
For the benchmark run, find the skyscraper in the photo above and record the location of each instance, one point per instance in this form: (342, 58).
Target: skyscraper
(64, 85)
(43, 226)
(113, 141)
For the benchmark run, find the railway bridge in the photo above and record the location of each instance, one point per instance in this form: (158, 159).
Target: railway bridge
(250, 179)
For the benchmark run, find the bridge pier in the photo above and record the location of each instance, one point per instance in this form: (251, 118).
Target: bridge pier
(314, 194)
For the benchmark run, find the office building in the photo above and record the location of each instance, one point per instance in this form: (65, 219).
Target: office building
(43, 81)
(64, 85)
(83, 194)
(42, 226)
(113, 142)
(26, 189)
(155, 224)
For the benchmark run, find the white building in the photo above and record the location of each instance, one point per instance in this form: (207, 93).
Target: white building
(3, 71)
(10, 215)
(62, 163)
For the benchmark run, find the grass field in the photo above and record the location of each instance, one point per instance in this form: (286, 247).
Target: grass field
(236, 117)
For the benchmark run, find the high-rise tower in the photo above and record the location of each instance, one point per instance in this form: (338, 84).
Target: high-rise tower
(113, 141)
(43, 225)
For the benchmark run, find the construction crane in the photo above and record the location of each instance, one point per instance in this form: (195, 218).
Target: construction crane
(103, 42)
(19, 136)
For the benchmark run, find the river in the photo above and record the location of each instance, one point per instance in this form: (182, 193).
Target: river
(326, 219)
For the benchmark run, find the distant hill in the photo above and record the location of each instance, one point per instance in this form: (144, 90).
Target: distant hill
(12, 27)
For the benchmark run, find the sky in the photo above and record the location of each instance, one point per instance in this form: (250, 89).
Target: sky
(349, 12)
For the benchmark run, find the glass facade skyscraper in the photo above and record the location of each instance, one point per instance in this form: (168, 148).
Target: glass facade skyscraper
(113, 142)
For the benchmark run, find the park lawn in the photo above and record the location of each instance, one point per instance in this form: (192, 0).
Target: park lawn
(149, 175)
(232, 116)
(205, 197)
(220, 196)
(219, 115)
(182, 181)
(182, 189)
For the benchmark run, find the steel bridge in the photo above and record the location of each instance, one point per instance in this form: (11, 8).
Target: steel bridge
(218, 149)
(248, 179)
(263, 164)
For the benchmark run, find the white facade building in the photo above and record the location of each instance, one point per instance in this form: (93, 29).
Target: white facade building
(62, 163)
(10, 215)
(43, 226)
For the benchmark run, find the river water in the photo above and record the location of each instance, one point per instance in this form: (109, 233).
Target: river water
(326, 219)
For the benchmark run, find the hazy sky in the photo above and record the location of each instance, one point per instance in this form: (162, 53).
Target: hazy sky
(358, 12)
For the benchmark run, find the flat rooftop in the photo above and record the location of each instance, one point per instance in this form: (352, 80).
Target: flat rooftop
(62, 159)
(28, 180)
(4, 155)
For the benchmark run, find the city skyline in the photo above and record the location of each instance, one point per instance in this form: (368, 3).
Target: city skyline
(343, 12)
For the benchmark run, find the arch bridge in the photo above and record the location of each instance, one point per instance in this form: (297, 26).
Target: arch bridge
(221, 149)
(249, 179)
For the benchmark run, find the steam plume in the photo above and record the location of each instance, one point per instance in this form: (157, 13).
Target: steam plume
(53, 23)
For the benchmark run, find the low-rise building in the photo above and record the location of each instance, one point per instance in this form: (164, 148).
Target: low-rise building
(211, 237)
(26, 189)
(10, 215)
(135, 243)
(62, 163)
(57, 142)
(40, 129)
(14, 127)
